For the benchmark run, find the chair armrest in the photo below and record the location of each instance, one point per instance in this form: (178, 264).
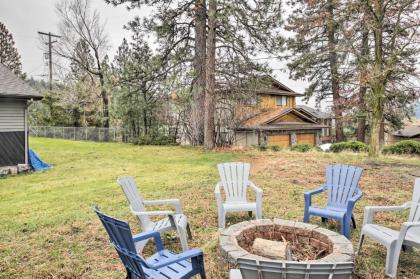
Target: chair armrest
(150, 234)
(177, 258)
(405, 227)
(254, 187)
(352, 201)
(370, 210)
(308, 195)
(174, 202)
(152, 213)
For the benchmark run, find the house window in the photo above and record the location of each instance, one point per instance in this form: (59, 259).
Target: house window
(281, 100)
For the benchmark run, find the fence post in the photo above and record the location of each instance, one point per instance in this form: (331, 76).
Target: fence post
(63, 133)
(74, 133)
(86, 133)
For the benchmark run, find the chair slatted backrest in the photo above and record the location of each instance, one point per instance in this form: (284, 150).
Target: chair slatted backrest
(250, 268)
(272, 269)
(342, 183)
(415, 206)
(234, 178)
(120, 235)
(129, 187)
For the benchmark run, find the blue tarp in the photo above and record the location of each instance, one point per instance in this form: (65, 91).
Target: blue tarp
(36, 163)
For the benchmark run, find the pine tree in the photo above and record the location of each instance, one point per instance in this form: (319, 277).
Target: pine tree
(315, 52)
(139, 77)
(9, 55)
(242, 30)
(391, 73)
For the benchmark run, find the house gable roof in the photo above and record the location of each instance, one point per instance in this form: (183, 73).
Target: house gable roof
(11, 86)
(314, 112)
(274, 87)
(267, 119)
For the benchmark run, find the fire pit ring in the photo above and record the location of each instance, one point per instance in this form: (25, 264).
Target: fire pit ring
(234, 242)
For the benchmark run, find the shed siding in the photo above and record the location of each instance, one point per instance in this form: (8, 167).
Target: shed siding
(12, 148)
(12, 116)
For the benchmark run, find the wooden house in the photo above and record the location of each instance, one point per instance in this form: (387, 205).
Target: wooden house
(277, 121)
(15, 97)
(322, 118)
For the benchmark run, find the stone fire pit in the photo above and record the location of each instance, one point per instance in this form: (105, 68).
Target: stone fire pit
(327, 246)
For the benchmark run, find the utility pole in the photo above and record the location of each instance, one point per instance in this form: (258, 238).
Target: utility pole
(49, 43)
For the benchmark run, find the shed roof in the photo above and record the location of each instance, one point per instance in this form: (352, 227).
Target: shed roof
(11, 86)
(409, 131)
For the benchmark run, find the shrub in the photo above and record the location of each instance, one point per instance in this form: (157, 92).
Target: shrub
(154, 140)
(301, 147)
(355, 146)
(262, 147)
(403, 147)
(275, 148)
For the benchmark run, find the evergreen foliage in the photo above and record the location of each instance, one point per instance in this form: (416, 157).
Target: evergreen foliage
(355, 146)
(9, 55)
(410, 147)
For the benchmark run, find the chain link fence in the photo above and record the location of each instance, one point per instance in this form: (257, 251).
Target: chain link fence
(79, 133)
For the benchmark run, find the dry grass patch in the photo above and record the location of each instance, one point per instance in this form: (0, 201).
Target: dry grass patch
(50, 230)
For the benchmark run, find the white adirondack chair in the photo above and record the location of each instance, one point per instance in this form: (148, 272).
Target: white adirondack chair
(234, 177)
(409, 234)
(174, 220)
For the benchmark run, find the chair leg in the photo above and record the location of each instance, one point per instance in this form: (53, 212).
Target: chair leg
(353, 221)
(183, 239)
(189, 231)
(345, 227)
(362, 238)
(306, 216)
(222, 220)
(258, 211)
(392, 258)
(202, 271)
(250, 213)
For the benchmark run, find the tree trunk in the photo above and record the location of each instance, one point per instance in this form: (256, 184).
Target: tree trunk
(335, 86)
(361, 119)
(209, 107)
(377, 83)
(199, 83)
(382, 133)
(378, 91)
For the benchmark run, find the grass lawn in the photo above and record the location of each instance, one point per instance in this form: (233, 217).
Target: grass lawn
(48, 228)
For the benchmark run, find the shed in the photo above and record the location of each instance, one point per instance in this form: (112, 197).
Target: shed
(411, 131)
(15, 97)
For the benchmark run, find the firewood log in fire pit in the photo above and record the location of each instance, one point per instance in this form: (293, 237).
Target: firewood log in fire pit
(275, 250)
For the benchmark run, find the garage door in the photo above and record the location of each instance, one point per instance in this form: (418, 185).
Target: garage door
(279, 140)
(305, 139)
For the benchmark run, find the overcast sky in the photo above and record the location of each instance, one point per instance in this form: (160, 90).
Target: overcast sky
(24, 18)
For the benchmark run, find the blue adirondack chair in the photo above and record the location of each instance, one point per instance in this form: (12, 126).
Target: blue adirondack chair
(343, 191)
(163, 264)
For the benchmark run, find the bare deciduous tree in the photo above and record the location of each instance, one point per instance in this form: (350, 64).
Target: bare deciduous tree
(79, 23)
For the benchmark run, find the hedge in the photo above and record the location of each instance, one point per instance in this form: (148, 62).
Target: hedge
(355, 146)
(411, 147)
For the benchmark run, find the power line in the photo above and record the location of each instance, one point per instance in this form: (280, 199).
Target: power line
(49, 43)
